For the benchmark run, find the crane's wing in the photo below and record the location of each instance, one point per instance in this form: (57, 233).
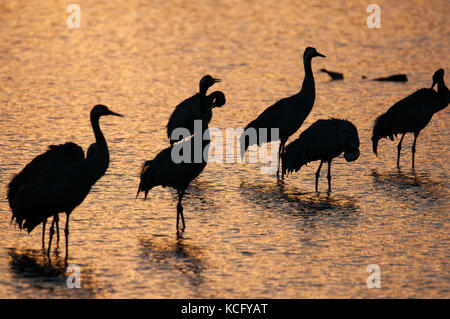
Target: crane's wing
(407, 115)
(183, 113)
(19, 193)
(164, 170)
(91, 150)
(323, 140)
(272, 117)
(413, 105)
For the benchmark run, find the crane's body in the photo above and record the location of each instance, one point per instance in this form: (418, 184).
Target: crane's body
(411, 114)
(58, 180)
(324, 140)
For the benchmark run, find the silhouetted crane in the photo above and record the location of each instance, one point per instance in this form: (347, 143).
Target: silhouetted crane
(190, 109)
(58, 181)
(411, 114)
(288, 114)
(177, 169)
(167, 171)
(324, 140)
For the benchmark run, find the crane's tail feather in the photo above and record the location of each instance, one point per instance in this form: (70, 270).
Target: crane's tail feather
(26, 212)
(145, 183)
(249, 137)
(31, 223)
(295, 156)
(382, 128)
(375, 145)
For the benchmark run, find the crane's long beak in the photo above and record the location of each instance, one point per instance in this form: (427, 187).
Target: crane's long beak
(217, 80)
(320, 54)
(114, 113)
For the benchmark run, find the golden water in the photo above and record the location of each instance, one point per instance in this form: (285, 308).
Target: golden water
(246, 236)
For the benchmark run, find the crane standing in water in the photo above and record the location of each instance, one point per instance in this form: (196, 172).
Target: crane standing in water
(288, 114)
(411, 114)
(164, 171)
(324, 140)
(167, 171)
(58, 181)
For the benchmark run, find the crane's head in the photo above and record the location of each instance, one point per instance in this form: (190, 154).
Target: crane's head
(217, 99)
(206, 82)
(351, 150)
(437, 77)
(311, 52)
(351, 155)
(100, 110)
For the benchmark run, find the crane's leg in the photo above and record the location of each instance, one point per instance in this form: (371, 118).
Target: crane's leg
(414, 147)
(279, 158)
(281, 153)
(43, 233)
(180, 209)
(56, 218)
(329, 176)
(52, 231)
(318, 175)
(66, 233)
(399, 148)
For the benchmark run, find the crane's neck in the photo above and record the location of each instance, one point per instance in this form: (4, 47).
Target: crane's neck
(203, 99)
(442, 88)
(95, 122)
(308, 81)
(99, 162)
(443, 96)
(211, 100)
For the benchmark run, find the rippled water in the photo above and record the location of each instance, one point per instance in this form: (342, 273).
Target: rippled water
(246, 235)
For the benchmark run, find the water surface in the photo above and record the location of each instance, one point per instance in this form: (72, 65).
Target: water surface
(247, 236)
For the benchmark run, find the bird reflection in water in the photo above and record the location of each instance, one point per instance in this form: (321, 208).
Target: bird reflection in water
(31, 263)
(49, 278)
(167, 254)
(298, 203)
(397, 184)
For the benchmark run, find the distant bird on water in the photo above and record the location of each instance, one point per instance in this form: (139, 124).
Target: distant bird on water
(393, 78)
(324, 140)
(411, 114)
(190, 109)
(58, 181)
(288, 114)
(333, 75)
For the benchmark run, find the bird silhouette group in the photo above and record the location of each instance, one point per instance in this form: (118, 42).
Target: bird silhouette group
(58, 180)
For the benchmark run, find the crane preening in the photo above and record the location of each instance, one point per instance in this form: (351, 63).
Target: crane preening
(411, 114)
(192, 108)
(166, 171)
(324, 140)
